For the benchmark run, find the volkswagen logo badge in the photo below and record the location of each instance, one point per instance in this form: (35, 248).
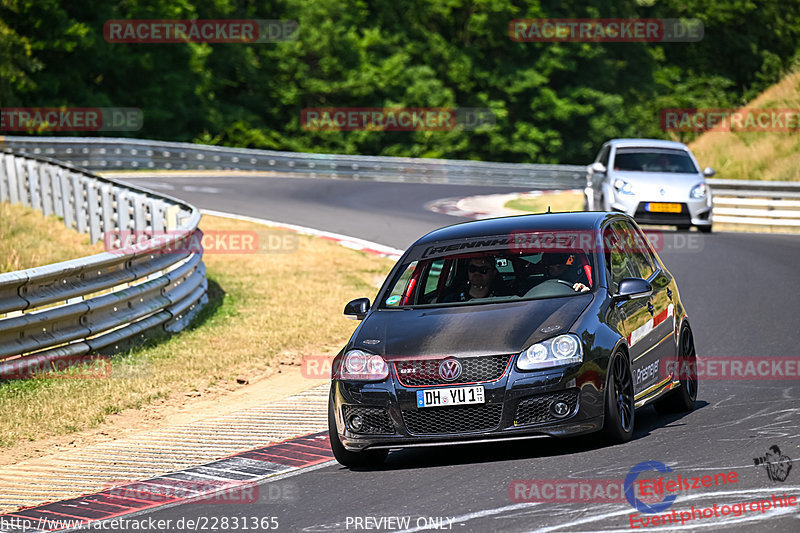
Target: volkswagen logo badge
(450, 369)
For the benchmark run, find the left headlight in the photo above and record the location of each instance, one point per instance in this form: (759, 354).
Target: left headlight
(562, 350)
(363, 366)
(698, 191)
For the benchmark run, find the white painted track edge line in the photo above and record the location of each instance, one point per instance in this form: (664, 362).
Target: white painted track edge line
(387, 250)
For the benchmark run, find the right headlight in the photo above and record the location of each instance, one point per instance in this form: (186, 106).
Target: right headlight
(562, 350)
(623, 186)
(363, 366)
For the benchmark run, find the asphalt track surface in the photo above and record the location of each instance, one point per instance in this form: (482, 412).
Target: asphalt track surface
(742, 295)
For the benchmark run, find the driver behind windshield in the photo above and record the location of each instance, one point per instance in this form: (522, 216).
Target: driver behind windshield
(481, 276)
(564, 267)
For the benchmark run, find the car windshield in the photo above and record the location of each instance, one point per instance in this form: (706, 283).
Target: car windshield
(504, 274)
(654, 160)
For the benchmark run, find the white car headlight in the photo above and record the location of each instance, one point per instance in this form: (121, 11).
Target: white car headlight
(558, 351)
(363, 366)
(698, 191)
(623, 186)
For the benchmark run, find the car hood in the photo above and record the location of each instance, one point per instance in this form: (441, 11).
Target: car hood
(487, 329)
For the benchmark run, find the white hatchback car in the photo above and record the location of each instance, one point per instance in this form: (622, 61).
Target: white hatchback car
(654, 181)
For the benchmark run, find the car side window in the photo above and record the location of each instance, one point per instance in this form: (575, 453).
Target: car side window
(433, 280)
(400, 288)
(434, 272)
(617, 259)
(638, 250)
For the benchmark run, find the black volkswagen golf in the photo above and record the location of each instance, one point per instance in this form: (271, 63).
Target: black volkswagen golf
(556, 325)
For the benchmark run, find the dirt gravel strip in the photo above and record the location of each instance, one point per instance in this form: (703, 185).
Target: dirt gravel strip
(152, 453)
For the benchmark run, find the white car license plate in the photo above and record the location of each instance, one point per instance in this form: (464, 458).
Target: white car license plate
(450, 396)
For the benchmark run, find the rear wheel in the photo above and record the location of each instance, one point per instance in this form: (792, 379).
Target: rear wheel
(683, 398)
(619, 409)
(368, 458)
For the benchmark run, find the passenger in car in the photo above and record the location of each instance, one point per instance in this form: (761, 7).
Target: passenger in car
(565, 267)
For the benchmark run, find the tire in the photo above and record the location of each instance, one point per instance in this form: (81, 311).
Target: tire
(620, 410)
(369, 458)
(704, 229)
(683, 227)
(682, 399)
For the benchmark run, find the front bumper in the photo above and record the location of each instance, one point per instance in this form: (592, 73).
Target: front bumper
(518, 406)
(693, 212)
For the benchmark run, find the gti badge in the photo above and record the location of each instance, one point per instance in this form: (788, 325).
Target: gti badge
(449, 369)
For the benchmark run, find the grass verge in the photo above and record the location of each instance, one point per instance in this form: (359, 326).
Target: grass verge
(761, 155)
(28, 239)
(265, 309)
(556, 201)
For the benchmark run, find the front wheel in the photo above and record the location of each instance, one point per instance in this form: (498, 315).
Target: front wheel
(620, 410)
(704, 229)
(368, 458)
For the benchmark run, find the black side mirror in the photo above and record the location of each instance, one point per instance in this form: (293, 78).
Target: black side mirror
(357, 309)
(632, 288)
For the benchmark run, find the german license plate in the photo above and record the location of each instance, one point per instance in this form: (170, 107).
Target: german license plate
(656, 207)
(450, 396)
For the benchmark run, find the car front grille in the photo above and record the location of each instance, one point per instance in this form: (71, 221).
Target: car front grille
(422, 372)
(376, 420)
(454, 419)
(536, 409)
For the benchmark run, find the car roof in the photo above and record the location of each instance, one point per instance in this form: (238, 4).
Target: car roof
(588, 221)
(647, 143)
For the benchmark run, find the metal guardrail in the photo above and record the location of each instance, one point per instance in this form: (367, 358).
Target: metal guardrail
(737, 201)
(90, 304)
(760, 203)
(103, 154)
